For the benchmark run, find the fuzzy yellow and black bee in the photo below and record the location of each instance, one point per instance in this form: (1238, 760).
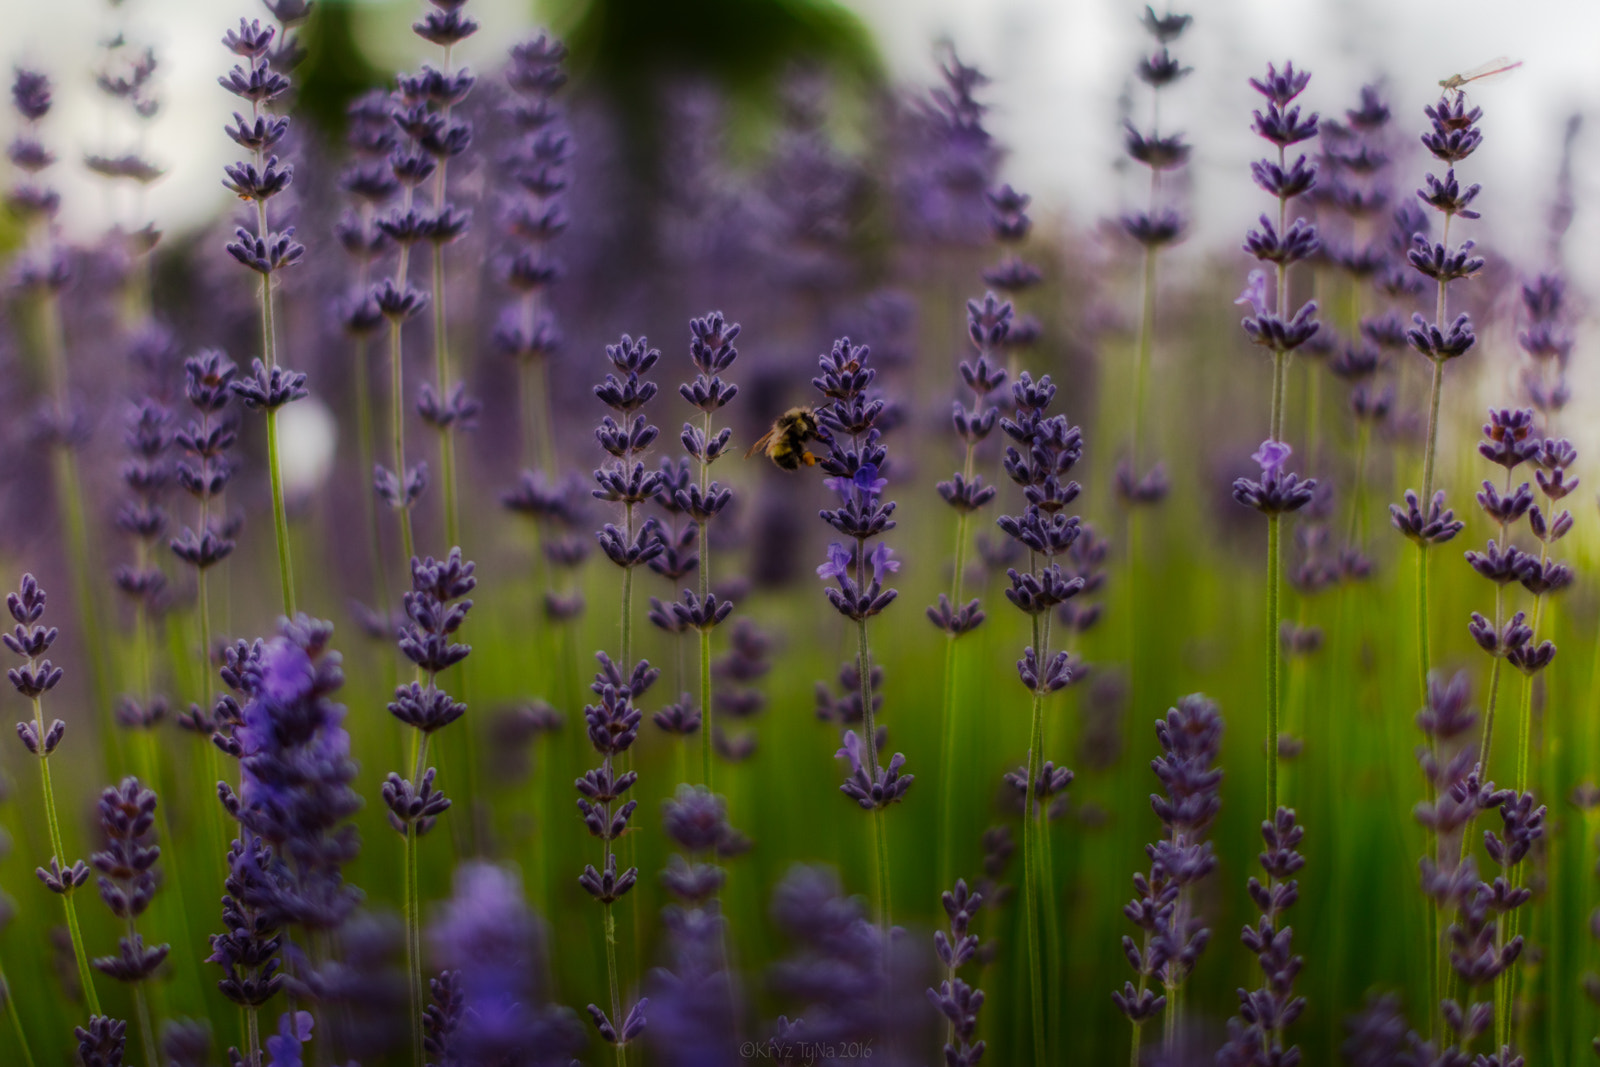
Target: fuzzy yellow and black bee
(785, 443)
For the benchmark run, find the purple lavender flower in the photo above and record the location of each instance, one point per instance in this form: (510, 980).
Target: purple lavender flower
(30, 640)
(849, 984)
(261, 80)
(295, 772)
(249, 951)
(128, 877)
(493, 950)
(102, 1044)
(1278, 490)
(1042, 453)
(988, 326)
(856, 456)
(294, 1030)
(1265, 1014)
(1174, 937)
(1272, 325)
(712, 352)
(695, 999)
(1547, 342)
(955, 999)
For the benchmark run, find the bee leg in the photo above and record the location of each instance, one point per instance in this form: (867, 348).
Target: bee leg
(808, 459)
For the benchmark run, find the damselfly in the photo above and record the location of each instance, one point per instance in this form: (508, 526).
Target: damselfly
(1498, 65)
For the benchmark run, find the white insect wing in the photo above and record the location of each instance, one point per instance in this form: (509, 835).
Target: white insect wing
(1497, 65)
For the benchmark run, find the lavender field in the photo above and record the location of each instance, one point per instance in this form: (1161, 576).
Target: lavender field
(583, 562)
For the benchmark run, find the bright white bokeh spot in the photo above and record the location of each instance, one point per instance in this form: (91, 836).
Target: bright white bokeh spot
(308, 437)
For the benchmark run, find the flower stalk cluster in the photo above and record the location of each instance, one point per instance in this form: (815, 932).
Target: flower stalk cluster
(1480, 944)
(1257, 1035)
(613, 719)
(988, 326)
(490, 1004)
(1042, 452)
(856, 456)
(1155, 227)
(425, 111)
(956, 1000)
(696, 996)
(127, 883)
(293, 806)
(1547, 343)
(369, 183)
(1174, 936)
(146, 474)
(1272, 326)
(712, 352)
(1425, 520)
(30, 640)
(435, 608)
(1355, 195)
(261, 79)
(535, 216)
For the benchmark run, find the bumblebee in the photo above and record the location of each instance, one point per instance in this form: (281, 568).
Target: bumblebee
(785, 443)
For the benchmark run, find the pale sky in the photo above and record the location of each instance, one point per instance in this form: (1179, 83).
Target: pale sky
(1059, 67)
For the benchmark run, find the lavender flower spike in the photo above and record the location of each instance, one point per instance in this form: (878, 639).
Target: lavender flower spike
(854, 464)
(260, 81)
(1160, 224)
(493, 949)
(30, 640)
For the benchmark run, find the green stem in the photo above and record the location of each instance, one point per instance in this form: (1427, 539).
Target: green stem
(1276, 429)
(1274, 656)
(141, 1007)
(948, 717)
(1429, 450)
(880, 845)
(1525, 733)
(705, 702)
(1032, 862)
(1052, 922)
(252, 1016)
(54, 825)
(947, 747)
(280, 517)
(413, 906)
(1488, 720)
(397, 435)
(611, 982)
(366, 450)
(1141, 373)
(10, 1008)
(868, 720)
(441, 353)
(1424, 644)
(704, 574)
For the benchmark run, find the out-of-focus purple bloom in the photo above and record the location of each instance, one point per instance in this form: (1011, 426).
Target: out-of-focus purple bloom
(294, 1030)
(295, 771)
(493, 949)
(1174, 936)
(847, 982)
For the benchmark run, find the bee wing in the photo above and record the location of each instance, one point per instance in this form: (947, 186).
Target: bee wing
(761, 442)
